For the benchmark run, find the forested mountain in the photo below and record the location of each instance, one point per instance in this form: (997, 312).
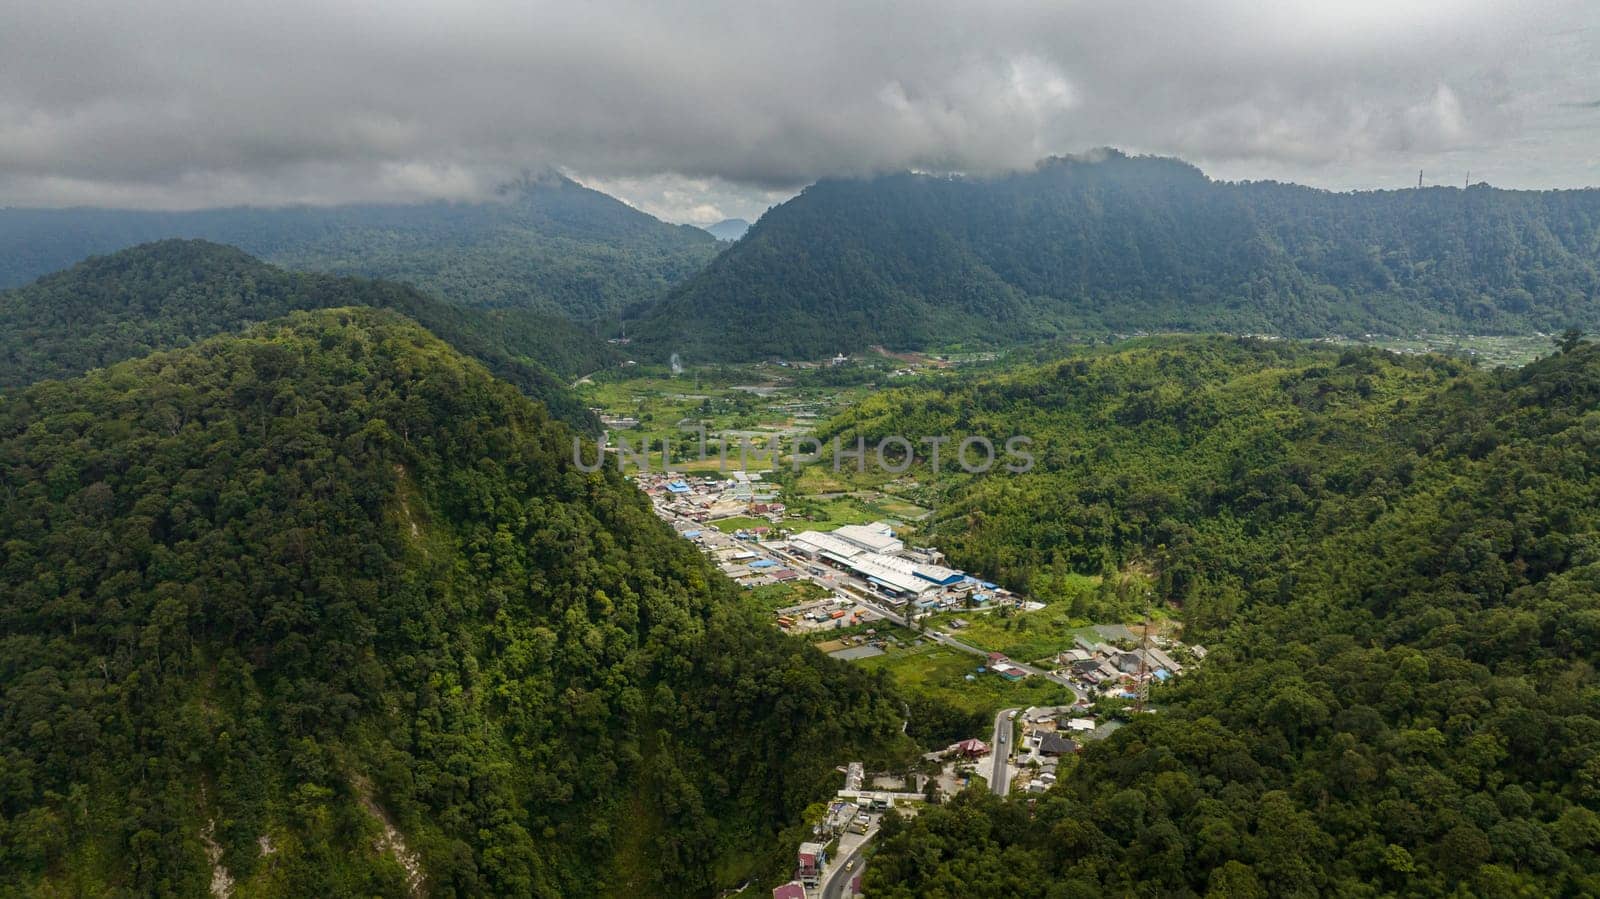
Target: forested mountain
(326, 610)
(547, 244)
(728, 229)
(176, 292)
(1121, 244)
(1396, 565)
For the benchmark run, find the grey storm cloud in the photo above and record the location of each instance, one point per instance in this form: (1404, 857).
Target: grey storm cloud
(694, 110)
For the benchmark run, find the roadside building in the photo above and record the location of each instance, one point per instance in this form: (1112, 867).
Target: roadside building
(892, 575)
(1008, 671)
(812, 858)
(969, 748)
(794, 889)
(840, 815)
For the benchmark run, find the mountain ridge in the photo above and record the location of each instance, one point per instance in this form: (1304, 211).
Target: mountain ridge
(546, 243)
(728, 229)
(1115, 244)
(175, 292)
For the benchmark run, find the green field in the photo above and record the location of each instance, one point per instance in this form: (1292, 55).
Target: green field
(1511, 351)
(939, 673)
(808, 514)
(827, 511)
(756, 398)
(772, 597)
(739, 522)
(1026, 637)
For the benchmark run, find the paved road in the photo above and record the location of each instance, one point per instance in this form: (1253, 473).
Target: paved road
(1000, 751)
(837, 880)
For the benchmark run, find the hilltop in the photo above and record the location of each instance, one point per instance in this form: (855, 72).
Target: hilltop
(728, 229)
(1122, 244)
(177, 292)
(547, 244)
(323, 609)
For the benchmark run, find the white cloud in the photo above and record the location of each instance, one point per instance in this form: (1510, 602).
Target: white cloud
(694, 108)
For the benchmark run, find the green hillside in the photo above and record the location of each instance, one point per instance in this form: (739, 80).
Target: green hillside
(1124, 244)
(173, 293)
(1393, 562)
(547, 244)
(325, 610)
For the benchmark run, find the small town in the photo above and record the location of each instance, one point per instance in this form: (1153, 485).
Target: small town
(873, 594)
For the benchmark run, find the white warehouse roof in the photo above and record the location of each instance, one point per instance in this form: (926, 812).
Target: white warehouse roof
(876, 538)
(822, 541)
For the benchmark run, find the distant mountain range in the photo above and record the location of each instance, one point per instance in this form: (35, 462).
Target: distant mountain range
(728, 229)
(174, 293)
(546, 243)
(1107, 244)
(1119, 243)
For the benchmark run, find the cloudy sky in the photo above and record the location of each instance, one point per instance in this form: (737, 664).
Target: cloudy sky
(695, 110)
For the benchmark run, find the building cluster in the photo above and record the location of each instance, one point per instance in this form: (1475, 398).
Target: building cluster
(706, 498)
(845, 825)
(999, 664)
(1112, 670)
(902, 576)
(1048, 736)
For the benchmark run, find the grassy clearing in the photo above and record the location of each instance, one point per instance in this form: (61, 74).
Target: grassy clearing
(1026, 637)
(1514, 351)
(739, 522)
(772, 597)
(894, 507)
(939, 673)
(807, 514)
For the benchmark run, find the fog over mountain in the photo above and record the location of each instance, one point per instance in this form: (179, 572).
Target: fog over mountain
(701, 111)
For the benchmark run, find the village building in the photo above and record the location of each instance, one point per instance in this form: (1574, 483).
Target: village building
(1053, 744)
(811, 860)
